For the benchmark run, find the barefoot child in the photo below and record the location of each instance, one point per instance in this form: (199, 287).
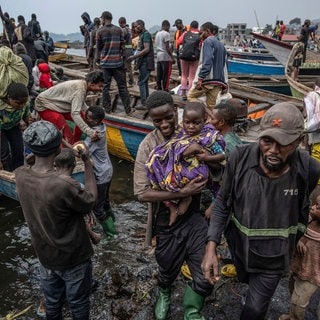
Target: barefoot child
(186, 156)
(305, 266)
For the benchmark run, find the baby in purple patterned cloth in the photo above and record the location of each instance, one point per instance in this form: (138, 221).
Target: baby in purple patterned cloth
(185, 156)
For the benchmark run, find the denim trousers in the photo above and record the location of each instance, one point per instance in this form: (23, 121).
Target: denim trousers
(143, 81)
(72, 285)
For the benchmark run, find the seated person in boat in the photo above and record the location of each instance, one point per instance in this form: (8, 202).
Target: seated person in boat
(67, 101)
(185, 156)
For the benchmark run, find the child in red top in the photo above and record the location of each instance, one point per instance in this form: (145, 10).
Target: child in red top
(45, 81)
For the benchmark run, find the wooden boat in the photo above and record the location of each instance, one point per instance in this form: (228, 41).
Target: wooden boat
(279, 49)
(309, 69)
(258, 67)
(273, 83)
(124, 133)
(60, 51)
(8, 183)
(249, 53)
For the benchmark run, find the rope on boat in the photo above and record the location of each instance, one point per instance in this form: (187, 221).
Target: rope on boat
(14, 315)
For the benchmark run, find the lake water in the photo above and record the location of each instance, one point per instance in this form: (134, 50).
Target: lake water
(19, 286)
(77, 52)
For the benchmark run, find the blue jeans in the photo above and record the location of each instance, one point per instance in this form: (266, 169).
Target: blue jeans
(143, 80)
(73, 285)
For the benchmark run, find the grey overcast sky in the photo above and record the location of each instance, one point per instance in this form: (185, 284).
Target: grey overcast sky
(63, 16)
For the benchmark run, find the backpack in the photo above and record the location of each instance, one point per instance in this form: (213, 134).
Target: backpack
(190, 50)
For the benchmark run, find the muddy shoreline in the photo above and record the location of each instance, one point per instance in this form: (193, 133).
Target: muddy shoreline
(126, 280)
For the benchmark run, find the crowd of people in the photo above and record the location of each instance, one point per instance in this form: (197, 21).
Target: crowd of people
(261, 192)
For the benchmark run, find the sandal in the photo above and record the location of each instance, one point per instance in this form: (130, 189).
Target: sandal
(229, 270)
(186, 271)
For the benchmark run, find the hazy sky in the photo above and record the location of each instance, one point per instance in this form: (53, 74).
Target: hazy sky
(63, 16)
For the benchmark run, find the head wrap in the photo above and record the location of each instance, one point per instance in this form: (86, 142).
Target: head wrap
(42, 138)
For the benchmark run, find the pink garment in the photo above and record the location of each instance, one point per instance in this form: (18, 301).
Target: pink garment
(188, 68)
(188, 72)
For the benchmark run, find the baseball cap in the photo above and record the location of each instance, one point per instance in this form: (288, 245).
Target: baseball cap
(283, 122)
(178, 21)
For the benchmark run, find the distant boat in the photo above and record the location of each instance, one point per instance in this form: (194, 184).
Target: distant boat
(257, 67)
(309, 69)
(279, 49)
(273, 83)
(60, 51)
(249, 53)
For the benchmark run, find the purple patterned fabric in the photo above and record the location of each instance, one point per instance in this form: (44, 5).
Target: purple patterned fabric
(169, 170)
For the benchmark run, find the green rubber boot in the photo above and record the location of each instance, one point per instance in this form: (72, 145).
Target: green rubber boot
(193, 304)
(110, 213)
(163, 303)
(109, 228)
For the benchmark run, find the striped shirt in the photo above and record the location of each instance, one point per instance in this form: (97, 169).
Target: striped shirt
(110, 44)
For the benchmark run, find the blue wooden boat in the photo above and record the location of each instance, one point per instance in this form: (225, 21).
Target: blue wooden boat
(250, 54)
(125, 133)
(256, 67)
(8, 183)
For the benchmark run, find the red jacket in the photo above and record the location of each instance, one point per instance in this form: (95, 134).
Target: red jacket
(45, 81)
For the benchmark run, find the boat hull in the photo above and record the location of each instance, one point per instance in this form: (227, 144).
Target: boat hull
(251, 56)
(8, 186)
(279, 49)
(124, 135)
(255, 68)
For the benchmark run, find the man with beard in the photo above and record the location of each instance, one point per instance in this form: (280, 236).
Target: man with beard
(264, 202)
